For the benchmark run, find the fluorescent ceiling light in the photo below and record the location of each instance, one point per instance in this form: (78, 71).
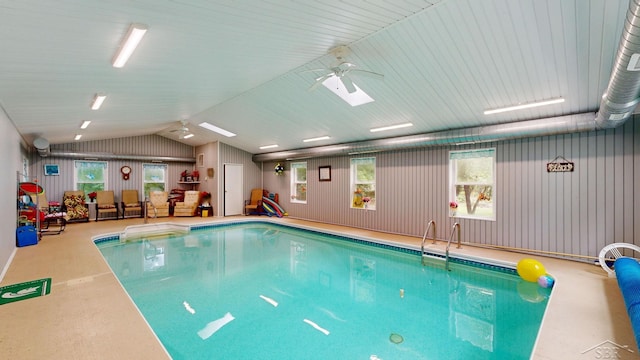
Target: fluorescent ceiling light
(268, 146)
(214, 128)
(77, 137)
(187, 136)
(391, 127)
(316, 139)
(131, 41)
(85, 124)
(524, 106)
(97, 101)
(337, 87)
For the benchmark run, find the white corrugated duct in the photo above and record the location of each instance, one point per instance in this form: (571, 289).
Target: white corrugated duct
(540, 127)
(621, 97)
(110, 156)
(617, 105)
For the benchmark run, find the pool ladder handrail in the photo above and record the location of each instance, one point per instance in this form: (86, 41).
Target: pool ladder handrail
(155, 210)
(424, 237)
(453, 231)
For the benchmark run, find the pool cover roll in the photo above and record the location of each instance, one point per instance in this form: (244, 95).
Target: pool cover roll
(628, 275)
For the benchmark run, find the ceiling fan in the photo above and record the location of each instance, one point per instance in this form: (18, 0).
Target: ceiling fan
(342, 70)
(183, 130)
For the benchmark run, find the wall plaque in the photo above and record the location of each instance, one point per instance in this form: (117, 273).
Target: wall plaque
(560, 166)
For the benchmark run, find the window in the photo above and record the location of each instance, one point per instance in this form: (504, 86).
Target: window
(299, 182)
(90, 176)
(472, 183)
(363, 183)
(154, 177)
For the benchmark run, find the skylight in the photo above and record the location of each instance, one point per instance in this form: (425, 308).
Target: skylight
(355, 98)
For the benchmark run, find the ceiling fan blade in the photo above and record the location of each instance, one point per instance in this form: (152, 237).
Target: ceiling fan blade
(367, 73)
(348, 84)
(319, 81)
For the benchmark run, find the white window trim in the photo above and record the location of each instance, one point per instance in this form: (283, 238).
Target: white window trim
(294, 181)
(144, 182)
(75, 173)
(352, 182)
(452, 182)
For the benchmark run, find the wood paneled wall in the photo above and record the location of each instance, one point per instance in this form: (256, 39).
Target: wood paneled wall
(575, 213)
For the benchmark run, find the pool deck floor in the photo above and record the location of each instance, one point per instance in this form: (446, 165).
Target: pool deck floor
(89, 316)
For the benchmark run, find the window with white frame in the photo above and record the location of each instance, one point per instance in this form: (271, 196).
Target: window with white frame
(363, 183)
(299, 182)
(90, 176)
(154, 177)
(472, 183)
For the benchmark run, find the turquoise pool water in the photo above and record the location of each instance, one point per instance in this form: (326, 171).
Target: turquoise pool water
(267, 291)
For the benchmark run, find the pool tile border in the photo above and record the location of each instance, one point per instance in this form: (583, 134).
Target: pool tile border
(113, 238)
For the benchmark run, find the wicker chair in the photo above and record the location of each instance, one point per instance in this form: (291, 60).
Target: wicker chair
(106, 206)
(130, 204)
(158, 205)
(189, 206)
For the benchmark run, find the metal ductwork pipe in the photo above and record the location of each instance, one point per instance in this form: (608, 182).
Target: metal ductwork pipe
(42, 145)
(110, 156)
(480, 134)
(622, 94)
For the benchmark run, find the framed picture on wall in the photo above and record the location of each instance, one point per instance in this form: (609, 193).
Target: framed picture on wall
(325, 173)
(51, 169)
(200, 160)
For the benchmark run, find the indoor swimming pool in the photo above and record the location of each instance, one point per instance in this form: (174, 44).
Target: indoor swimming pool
(258, 290)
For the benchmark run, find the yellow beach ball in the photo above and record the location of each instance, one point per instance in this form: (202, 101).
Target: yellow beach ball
(530, 269)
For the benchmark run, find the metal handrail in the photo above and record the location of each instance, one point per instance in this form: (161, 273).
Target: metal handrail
(155, 210)
(455, 226)
(424, 237)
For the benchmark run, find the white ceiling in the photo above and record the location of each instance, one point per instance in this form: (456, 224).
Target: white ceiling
(239, 64)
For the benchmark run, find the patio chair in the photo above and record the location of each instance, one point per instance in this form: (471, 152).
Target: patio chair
(51, 213)
(106, 206)
(130, 204)
(74, 206)
(158, 205)
(251, 206)
(189, 206)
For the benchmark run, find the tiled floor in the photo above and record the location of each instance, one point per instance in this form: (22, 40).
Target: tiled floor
(89, 316)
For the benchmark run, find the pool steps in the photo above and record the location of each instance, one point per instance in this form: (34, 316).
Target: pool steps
(147, 231)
